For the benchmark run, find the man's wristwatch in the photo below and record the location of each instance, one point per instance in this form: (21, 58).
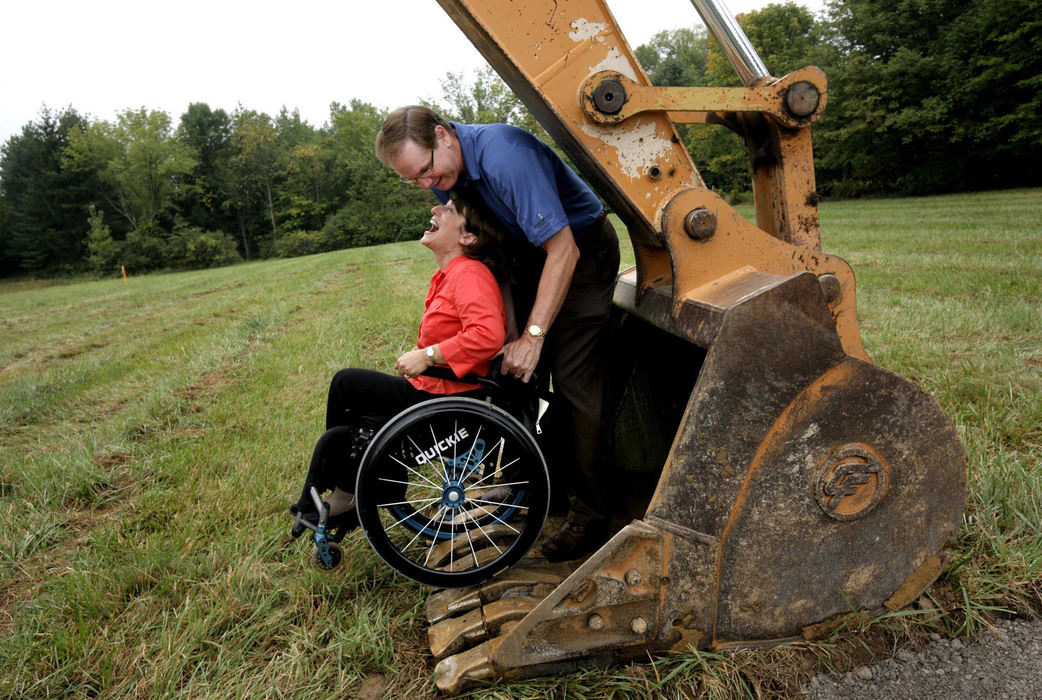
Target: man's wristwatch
(535, 331)
(430, 354)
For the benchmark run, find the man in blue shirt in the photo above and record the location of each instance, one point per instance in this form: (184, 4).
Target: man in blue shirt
(565, 260)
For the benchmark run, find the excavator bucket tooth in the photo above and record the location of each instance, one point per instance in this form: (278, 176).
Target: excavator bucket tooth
(454, 634)
(607, 610)
(530, 573)
(455, 673)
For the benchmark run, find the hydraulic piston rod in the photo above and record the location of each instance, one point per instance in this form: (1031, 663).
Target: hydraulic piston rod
(735, 43)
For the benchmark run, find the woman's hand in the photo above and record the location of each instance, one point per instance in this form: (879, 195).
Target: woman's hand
(412, 363)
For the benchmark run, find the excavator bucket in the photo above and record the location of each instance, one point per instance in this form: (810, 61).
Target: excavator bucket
(790, 481)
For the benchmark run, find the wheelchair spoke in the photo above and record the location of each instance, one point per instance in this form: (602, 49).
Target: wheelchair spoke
(497, 504)
(420, 532)
(498, 519)
(470, 543)
(441, 458)
(508, 483)
(408, 468)
(427, 502)
(385, 480)
(410, 516)
(498, 471)
(474, 446)
(434, 540)
(428, 462)
(487, 537)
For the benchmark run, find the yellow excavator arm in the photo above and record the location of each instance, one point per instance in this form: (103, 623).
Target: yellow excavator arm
(570, 64)
(793, 480)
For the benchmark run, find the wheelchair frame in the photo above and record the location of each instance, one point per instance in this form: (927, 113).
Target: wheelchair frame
(450, 492)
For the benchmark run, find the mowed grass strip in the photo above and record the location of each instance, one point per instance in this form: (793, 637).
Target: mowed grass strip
(145, 478)
(152, 433)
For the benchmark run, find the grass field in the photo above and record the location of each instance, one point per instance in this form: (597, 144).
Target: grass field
(152, 433)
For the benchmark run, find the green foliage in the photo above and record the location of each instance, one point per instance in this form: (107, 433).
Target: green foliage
(308, 193)
(296, 243)
(137, 159)
(147, 248)
(252, 174)
(933, 96)
(676, 57)
(104, 253)
(44, 202)
(403, 210)
(208, 133)
(721, 158)
(192, 247)
(783, 35)
(350, 228)
(924, 96)
(484, 100)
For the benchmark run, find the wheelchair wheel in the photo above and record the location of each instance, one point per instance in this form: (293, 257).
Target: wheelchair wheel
(451, 492)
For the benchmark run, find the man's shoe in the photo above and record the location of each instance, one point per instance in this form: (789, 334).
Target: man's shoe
(574, 540)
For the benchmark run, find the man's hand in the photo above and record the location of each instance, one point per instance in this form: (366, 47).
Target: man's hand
(412, 363)
(521, 356)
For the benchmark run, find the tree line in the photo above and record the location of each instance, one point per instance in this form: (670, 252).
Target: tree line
(216, 188)
(926, 96)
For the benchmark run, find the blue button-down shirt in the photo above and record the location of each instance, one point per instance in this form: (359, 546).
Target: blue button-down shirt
(528, 187)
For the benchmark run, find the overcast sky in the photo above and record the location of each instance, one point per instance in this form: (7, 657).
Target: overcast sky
(105, 56)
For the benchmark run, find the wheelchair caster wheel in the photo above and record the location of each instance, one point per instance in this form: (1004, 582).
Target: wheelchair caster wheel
(335, 552)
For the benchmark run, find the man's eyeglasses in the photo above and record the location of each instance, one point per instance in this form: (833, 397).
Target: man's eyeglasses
(422, 174)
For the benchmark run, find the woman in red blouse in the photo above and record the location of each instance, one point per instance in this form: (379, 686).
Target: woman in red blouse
(463, 327)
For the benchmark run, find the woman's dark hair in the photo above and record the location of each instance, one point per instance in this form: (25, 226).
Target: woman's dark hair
(490, 246)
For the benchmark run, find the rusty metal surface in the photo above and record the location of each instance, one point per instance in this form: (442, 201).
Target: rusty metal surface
(770, 348)
(738, 247)
(802, 483)
(794, 101)
(527, 575)
(548, 51)
(794, 480)
(898, 500)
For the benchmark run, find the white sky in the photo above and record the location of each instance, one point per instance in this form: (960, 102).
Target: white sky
(105, 56)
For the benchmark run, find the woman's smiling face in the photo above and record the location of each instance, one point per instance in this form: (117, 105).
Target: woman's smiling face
(448, 227)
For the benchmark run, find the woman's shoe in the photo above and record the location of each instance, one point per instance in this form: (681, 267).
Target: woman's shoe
(337, 526)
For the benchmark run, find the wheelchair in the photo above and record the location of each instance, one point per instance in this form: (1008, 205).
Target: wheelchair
(450, 492)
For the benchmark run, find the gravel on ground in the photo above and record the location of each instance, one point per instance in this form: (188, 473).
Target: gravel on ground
(1004, 663)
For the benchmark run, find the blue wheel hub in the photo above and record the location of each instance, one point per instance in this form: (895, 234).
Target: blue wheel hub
(453, 496)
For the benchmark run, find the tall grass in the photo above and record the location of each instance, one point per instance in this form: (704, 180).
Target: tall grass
(153, 431)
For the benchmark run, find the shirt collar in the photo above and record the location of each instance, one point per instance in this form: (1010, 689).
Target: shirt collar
(465, 136)
(440, 274)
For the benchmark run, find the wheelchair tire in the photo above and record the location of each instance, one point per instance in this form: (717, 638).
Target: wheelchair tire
(452, 491)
